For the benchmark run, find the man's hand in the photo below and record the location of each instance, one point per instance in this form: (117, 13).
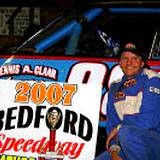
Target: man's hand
(115, 156)
(112, 135)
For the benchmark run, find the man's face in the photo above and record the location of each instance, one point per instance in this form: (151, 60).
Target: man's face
(130, 63)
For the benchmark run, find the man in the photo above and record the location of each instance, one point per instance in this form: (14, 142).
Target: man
(133, 111)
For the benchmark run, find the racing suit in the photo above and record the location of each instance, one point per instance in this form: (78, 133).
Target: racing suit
(134, 107)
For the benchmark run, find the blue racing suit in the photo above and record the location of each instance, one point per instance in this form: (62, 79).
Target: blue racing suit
(134, 106)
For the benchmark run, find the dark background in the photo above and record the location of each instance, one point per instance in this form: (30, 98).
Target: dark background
(137, 28)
